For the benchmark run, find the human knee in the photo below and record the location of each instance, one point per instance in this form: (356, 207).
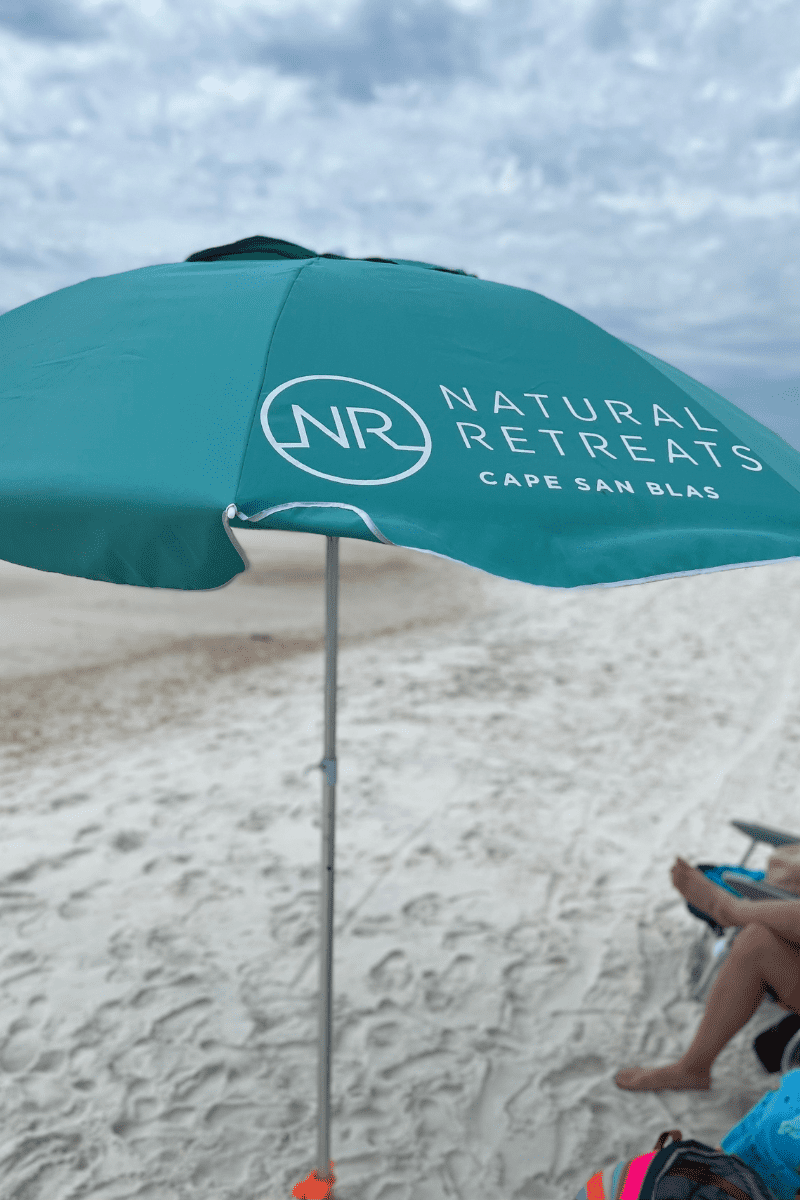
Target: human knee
(753, 940)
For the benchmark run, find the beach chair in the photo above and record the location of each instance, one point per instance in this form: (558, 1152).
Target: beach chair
(778, 1047)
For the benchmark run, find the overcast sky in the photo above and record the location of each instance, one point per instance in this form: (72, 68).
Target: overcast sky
(638, 160)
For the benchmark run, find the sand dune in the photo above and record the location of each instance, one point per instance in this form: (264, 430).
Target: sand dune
(518, 768)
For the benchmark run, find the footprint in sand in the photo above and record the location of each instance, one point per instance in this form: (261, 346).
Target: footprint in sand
(50, 1060)
(138, 1108)
(69, 801)
(577, 1068)
(384, 1035)
(394, 1191)
(295, 923)
(79, 903)
(525, 938)
(230, 1116)
(201, 1087)
(127, 840)
(392, 973)
(424, 909)
(443, 990)
(181, 1022)
(20, 1048)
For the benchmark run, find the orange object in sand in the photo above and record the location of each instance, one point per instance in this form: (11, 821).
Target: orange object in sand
(315, 1187)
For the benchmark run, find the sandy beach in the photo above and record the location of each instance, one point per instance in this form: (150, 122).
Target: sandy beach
(518, 769)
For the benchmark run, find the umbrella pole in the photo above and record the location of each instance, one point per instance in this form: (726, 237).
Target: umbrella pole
(328, 829)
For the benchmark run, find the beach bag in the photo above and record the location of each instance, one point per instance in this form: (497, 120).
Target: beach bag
(686, 1170)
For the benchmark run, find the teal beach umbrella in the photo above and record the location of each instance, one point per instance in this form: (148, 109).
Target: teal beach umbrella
(395, 401)
(146, 416)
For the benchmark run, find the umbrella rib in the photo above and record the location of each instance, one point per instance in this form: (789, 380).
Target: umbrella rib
(304, 266)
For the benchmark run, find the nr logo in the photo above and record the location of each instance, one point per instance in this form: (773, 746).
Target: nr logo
(345, 430)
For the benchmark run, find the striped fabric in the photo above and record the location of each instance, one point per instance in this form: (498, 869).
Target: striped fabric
(635, 1176)
(622, 1182)
(595, 1189)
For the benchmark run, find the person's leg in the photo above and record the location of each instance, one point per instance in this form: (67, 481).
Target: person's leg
(757, 956)
(781, 916)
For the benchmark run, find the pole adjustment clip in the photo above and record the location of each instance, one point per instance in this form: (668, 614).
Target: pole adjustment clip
(328, 765)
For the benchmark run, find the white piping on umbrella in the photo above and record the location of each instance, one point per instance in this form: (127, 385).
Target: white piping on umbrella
(615, 583)
(232, 511)
(759, 562)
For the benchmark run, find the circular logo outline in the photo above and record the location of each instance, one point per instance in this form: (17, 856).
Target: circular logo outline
(265, 407)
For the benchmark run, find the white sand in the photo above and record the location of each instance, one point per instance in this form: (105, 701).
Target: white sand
(518, 769)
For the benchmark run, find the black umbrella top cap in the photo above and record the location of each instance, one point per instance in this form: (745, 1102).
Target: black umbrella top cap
(271, 249)
(253, 248)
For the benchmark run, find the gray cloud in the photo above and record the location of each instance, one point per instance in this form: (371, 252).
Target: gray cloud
(637, 162)
(784, 124)
(48, 20)
(775, 403)
(379, 42)
(607, 27)
(15, 259)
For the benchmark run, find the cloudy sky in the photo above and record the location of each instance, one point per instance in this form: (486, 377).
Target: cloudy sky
(638, 160)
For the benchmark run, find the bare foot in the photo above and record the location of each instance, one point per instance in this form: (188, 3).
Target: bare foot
(671, 1078)
(706, 895)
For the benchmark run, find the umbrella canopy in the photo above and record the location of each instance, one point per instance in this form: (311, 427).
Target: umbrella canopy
(395, 401)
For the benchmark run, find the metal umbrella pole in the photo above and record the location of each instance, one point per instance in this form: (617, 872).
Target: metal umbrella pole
(328, 765)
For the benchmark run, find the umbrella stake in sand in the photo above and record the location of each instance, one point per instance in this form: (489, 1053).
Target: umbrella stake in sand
(328, 766)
